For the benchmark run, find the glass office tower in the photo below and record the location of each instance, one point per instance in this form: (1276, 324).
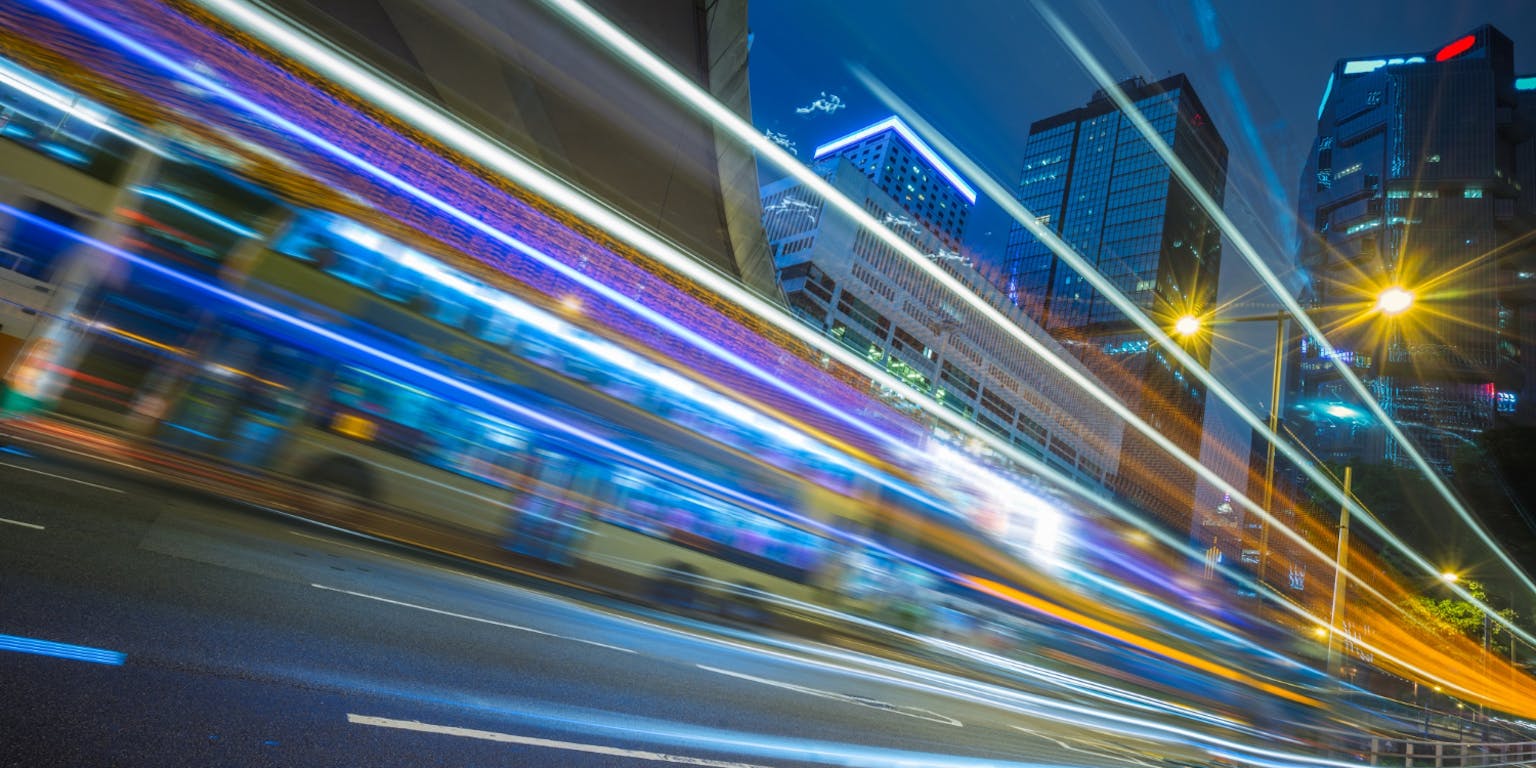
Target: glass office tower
(1092, 178)
(1421, 176)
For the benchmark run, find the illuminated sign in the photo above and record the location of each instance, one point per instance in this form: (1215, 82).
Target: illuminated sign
(1456, 48)
(1362, 66)
(1525, 83)
(901, 129)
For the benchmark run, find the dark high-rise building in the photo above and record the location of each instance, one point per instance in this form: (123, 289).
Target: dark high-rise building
(1091, 177)
(1422, 176)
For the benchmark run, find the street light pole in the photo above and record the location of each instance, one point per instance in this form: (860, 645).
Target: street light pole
(1189, 326)
(1269, 452)
(1340, 583)
(1391, 301)
(1482, 706)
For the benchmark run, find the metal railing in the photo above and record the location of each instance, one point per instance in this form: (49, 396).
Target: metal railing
(1450, 754)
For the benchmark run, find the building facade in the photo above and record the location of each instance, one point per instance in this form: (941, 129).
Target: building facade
(933, 196)
(1422, 176)
(858, 289)
(1092, 178)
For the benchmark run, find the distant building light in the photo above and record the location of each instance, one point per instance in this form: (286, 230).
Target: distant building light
(1472, 193)
(1508, 402)
(1525, 83)
(1328, 91)
(1341, 412)
(1456, 48)
(1363, 66)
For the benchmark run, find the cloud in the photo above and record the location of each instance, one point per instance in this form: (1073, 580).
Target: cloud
(781, 139)
(945, 254)
(793, 206)
(903, 222)
(823, 103)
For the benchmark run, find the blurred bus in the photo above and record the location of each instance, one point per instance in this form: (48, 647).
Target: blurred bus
(239, 326)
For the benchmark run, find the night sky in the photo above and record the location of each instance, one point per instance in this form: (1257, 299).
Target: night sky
(982, 71)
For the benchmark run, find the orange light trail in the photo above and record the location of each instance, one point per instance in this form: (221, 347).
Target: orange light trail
(1091, 624)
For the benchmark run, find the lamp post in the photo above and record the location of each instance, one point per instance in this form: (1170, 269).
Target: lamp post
(1452, 577)
(1390, 302)
(1340, 584)
(1187, 327)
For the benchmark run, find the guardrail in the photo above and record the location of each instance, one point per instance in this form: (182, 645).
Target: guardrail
(1450, 754)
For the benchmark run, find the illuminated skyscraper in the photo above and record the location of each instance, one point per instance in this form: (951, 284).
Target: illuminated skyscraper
(1092, 178)
(853, 285)
(1422, 175)
(914, 176)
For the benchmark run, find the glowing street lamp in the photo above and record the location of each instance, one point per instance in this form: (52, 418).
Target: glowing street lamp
(1187, 325)
(1390, 302)
(1394, 301)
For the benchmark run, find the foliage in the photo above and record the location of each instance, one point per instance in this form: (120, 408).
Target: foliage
(1451, 617)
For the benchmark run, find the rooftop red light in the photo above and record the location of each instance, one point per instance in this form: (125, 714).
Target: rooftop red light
(1456, 48)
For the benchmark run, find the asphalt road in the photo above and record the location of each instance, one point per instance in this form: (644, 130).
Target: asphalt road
(199, 633)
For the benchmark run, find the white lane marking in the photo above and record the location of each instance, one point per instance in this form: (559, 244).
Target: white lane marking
(61, 477)
(368, 550)
(570, 746)
(1110, 751)
(96, 457)
(917, 712)
(20, 523)
(466, 617)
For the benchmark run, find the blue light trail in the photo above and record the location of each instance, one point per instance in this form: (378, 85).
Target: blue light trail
(61, 650)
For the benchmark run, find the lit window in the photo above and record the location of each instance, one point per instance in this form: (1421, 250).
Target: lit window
(1472, 192)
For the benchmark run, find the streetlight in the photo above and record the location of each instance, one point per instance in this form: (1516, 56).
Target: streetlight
(1390, 302)
(1187, 325)
(1340, 561)
(1451, 577)
(1394, 301)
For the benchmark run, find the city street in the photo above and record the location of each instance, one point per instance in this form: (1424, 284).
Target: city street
(249, 639)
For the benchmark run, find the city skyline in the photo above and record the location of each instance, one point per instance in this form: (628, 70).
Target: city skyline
(1262, 96)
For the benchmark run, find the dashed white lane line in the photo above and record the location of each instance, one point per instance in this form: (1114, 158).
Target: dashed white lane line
(569, 746)
(374, 551)
(884, 706)
(1106, 751)
(60, 477)
(34, 526)
(467, 617)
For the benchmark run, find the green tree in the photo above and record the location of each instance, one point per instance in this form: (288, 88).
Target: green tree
(1450, 617)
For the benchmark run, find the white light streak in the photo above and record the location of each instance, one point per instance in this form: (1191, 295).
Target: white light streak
(1299, 315)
